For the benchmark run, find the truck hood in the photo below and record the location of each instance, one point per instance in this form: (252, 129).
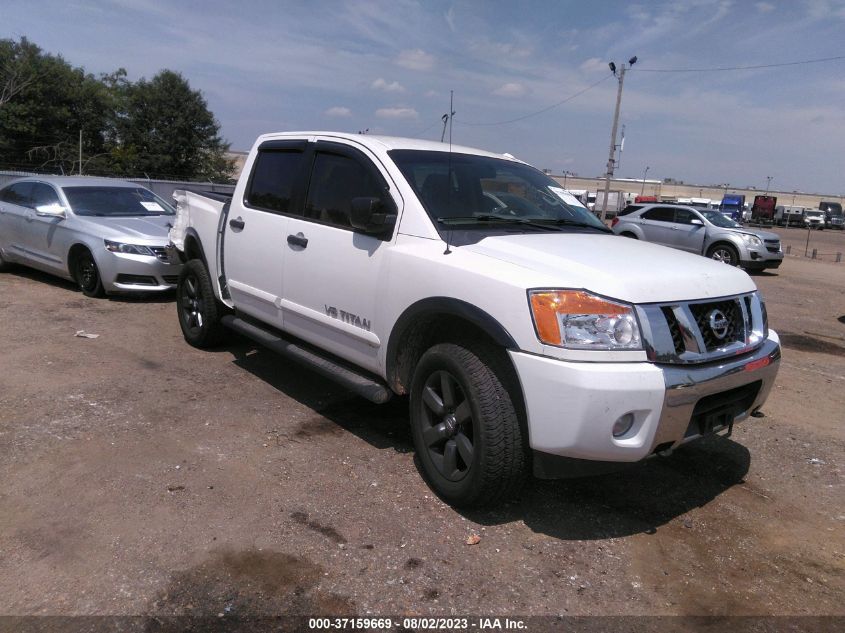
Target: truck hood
(616, 267)
(142, 230)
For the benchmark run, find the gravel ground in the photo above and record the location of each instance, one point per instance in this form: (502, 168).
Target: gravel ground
(142, 476)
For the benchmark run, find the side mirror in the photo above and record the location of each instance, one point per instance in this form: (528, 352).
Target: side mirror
(54, 210)
(372, 215)
(696, 222)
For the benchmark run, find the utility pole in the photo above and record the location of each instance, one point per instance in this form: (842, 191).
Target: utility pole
(80, 151)
(645, 173)
(768, 182)
(611, 160)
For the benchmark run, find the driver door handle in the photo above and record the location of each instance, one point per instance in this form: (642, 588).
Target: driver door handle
(237, 223)
(298, 240)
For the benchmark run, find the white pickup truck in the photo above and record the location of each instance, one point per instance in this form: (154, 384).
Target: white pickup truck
(528, 336)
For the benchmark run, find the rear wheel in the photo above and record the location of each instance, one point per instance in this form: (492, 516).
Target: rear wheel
(465, 428)
(724, 253)
(87, 275)
(198, 309)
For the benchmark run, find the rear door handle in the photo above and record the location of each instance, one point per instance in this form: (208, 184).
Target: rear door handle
(237, 223)
(298, 240)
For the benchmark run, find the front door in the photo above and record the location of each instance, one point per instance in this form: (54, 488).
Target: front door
(332, 272)
(688, 236)
(254, 241)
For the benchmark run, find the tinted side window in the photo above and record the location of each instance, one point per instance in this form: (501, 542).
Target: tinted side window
(335, 181)
(661, 214)
(18, 194)
(685, 216)
(630, 209)
(273, 177)
(43, 195)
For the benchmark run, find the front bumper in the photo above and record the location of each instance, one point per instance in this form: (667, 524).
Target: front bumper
(122, 272)
(759, 257)
(571, 406)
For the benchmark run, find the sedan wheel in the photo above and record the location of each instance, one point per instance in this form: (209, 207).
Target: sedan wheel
(88, 276)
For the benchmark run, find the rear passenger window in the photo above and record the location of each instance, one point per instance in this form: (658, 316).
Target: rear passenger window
(335, 181)
(660, 214)
(272, 182)
(18, 193)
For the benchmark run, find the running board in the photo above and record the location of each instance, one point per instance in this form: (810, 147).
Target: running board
(358, 383)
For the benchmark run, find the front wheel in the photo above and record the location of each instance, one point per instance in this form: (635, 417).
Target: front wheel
(198, 310)
(88, 275)
(465, 428)
(724, 253)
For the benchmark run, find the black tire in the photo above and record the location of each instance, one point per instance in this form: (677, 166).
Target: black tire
(628, 234)
(4, 265)
(465, 427)
(198, 309)
(724, 253)
(87, 275)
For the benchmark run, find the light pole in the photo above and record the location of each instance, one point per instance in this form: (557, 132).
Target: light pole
(642, 189)
(611, 160)
(768, 182)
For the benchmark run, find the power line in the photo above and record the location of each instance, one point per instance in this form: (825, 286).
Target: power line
(551, 107)
(728, 68)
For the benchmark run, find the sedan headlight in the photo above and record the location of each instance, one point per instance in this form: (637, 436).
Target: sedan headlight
(751, 240)
(129, 249)
(577, 319)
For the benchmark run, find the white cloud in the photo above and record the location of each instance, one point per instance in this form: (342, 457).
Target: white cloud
(338, 111)
(765, 7)
(431, 93)
(416, 59)
(387, 86)
(593, 64)
(450, 18)
(510, 90)
(397, 113)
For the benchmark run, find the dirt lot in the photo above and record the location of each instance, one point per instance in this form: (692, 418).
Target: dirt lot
(140, 476)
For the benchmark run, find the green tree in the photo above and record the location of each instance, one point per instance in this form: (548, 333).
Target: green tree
(46, 103)
(168, 131)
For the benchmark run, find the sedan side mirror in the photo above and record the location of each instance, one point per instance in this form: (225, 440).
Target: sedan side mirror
(54, 210)
(373, 215)
(696, 222)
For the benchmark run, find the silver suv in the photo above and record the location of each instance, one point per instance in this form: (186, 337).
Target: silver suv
(703, 231)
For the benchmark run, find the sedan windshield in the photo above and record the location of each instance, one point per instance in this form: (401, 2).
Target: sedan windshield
(480, 192)
(719, 219)
(116, 201)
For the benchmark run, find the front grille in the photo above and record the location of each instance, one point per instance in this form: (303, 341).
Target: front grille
(170, 279)
(160, 253)
(702, 331)
(674, 329)
(734, 328)
(773, 246)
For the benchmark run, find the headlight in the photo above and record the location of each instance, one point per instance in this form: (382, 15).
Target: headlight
(577, 319)
(751, 240)
(129, 249)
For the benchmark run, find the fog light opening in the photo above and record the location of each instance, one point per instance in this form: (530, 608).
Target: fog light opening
(623, 425)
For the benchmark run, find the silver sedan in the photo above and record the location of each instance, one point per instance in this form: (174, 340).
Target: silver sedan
(108, 236)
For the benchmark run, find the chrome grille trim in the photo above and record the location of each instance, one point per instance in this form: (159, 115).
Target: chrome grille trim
(661, 347)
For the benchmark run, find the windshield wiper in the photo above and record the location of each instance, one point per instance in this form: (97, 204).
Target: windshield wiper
(465, 219)
(583, 225)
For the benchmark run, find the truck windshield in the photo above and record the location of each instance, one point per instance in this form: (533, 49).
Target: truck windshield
(721, 220)
(480, 191)
(116, 201)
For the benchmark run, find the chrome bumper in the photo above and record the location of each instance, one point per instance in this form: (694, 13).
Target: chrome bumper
(687, 385)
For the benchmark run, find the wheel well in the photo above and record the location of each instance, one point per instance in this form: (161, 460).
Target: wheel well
(722, 243)
(629, 234)
(427, 330)
(193, 248)
(75, 251)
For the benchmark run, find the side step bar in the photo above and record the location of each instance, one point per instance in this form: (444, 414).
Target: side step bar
(360, 384)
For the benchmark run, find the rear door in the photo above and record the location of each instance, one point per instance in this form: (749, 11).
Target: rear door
(686, 235)
(14, 206)
(254, 242)
(658, 225)
(42, 234)
(333, 273)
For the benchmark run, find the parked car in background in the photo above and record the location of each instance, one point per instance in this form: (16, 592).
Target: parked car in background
(814, 219)
(834, 218)
(106, 235)
(708, 233)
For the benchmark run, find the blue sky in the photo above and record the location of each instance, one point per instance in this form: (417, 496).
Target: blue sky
(389, 66)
